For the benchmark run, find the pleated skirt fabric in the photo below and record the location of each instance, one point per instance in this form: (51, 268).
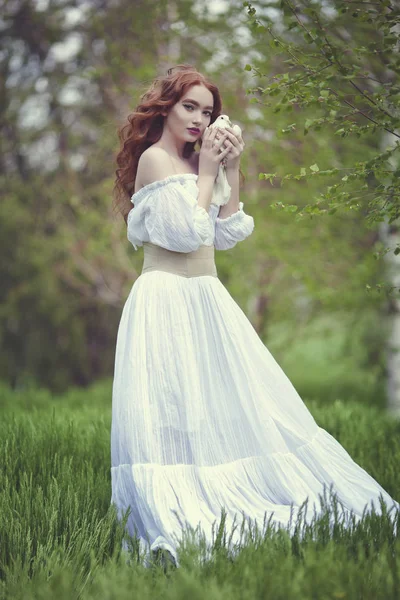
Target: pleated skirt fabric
(203, 417)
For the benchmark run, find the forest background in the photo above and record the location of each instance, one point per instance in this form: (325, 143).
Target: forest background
(314, 87)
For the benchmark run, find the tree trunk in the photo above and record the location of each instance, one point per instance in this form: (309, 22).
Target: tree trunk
(390, 237)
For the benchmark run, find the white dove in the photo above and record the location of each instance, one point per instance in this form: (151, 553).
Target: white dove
(222, 189)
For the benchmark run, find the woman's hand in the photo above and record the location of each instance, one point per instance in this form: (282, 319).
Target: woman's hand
(236, 145)
(212, 152)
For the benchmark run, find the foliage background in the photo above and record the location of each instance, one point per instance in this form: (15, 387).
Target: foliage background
(311, 278)
(71, 71)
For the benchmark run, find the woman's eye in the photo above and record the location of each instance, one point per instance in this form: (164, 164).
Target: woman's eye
(190, 106)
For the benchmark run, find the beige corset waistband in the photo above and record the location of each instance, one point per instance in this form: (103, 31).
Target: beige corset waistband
(187, 264)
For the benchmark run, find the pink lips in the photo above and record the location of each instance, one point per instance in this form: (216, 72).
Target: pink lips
(194, 131)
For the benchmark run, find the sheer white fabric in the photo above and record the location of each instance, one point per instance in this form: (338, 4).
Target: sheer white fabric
(166, 213)
(202, 414)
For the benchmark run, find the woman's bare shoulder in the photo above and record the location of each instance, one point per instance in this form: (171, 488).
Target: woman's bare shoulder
(156, 164)
(152, 166)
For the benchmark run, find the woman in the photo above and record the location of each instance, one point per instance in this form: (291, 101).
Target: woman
(203, 417)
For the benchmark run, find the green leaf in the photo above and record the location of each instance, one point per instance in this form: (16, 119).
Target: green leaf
(267, 176)
(314, 168)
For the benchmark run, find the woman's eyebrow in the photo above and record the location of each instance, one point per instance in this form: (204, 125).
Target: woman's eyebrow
(196, 103)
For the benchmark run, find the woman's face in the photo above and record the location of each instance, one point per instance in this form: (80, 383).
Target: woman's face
(192, 111)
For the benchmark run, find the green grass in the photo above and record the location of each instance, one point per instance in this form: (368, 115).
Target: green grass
(60, 538)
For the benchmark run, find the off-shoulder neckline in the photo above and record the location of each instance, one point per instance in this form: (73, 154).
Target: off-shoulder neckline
(155, 184)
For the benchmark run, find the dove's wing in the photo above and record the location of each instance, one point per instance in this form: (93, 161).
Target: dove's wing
(237, 131)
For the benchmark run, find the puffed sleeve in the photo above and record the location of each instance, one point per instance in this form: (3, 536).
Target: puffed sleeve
(166, 213)
(233, 229)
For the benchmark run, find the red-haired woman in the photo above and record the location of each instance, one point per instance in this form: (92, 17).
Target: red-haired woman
(203, 417)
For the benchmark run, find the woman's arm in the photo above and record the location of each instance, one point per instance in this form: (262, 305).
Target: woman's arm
(205, 183)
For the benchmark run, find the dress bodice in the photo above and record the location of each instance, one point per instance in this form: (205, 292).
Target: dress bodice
(186, 264)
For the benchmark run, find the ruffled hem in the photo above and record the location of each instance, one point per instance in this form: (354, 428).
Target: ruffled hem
(233, 229)
(160, 183)
(166, 498)
(236, 216)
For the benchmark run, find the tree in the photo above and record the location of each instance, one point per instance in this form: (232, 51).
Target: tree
(70, 74)
(343, 62)
(326, 78)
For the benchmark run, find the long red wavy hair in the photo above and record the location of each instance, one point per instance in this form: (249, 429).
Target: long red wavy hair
(145, 126)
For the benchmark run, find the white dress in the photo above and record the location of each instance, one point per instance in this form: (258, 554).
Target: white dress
(203, 417)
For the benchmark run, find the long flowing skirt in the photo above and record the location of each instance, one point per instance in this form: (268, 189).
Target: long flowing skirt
(203, 417)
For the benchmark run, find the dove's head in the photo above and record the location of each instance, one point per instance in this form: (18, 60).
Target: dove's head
(223, 120)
